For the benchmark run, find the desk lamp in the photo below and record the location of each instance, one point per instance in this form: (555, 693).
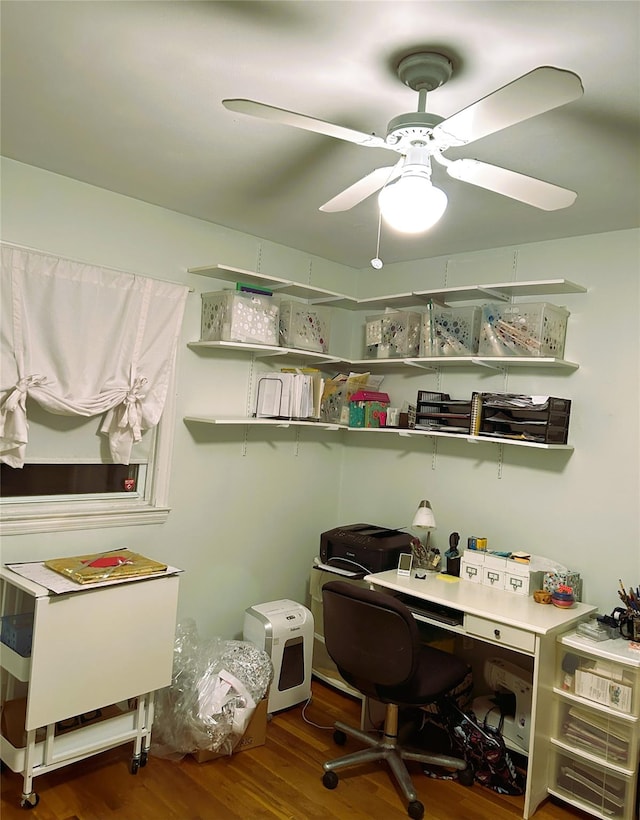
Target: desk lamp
(424, 519)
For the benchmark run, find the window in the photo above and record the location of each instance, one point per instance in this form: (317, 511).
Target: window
(88, 359)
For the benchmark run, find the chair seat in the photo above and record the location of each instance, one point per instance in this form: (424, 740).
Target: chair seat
(437, 673)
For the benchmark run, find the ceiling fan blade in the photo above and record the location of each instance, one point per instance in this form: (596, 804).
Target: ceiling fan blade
(363, 188)
(280, 115)
(533, 191)
(534, 93)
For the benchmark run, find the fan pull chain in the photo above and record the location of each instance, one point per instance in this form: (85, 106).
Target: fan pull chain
(377, 263)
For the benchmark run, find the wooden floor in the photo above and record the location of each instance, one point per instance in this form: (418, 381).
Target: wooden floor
(281, 779)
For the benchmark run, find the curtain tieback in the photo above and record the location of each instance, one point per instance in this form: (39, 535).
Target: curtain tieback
(18, 395)
(131, 417)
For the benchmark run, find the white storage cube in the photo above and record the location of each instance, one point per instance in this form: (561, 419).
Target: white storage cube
(494, 571)
(527, 329)
(471, 565)
(520, 579)
(236, 316)
(450, 331)
(304, 326)
(392, 335)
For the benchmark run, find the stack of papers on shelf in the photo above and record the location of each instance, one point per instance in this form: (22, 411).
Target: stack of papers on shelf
(289, 395)
(112, 565)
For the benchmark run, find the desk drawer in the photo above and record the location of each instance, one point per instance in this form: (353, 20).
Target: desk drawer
(497, 632)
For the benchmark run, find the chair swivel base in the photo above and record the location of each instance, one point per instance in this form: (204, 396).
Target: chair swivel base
(393, 753)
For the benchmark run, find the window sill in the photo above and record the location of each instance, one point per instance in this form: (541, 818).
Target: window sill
(62, 516)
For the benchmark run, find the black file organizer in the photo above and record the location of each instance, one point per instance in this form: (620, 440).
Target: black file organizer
(546, 424)
(438, 411)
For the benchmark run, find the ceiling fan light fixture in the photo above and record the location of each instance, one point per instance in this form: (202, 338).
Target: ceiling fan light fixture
(412, 204)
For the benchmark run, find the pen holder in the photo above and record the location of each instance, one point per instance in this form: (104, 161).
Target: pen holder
(630, 626)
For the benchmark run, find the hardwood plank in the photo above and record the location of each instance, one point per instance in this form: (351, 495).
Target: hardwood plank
(278, 781)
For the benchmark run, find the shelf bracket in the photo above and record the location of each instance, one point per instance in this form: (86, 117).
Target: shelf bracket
(489, 365)
(420, 365)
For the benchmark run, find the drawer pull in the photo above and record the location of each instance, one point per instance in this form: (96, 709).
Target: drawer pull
(496, 632)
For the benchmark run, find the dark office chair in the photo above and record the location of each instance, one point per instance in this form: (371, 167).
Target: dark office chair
(374, 641)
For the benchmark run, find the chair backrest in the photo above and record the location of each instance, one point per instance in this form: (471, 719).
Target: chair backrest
(372, 637)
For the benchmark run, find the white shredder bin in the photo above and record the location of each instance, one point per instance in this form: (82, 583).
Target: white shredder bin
(284, 630)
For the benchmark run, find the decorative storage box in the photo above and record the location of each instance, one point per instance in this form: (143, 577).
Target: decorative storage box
(450, 331)
(368, 409)
(392, 335)
(230, 316)
(507, 415)
(304, 326)
(528, 329)
(552, 580)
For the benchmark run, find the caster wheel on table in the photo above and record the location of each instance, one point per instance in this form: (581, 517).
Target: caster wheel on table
(329, 780)
(30, 801)
(339, 738)
(134, 765)
(415, 810)
(144, 759)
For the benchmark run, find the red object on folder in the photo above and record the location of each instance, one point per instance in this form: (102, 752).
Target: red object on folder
(369, 395)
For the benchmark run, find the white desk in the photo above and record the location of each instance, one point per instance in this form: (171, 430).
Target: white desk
(507, 619)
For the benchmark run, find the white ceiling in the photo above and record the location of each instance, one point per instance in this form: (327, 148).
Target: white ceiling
(127, 96)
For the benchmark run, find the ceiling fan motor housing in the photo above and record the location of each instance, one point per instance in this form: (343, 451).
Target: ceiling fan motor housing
(406, 129)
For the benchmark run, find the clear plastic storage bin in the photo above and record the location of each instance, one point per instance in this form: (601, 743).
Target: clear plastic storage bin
(528, 329)
(596, 733)
(450, 331)
(392, 335)
(591, 786)
(304, 326)
(235, 316)
(599, 679)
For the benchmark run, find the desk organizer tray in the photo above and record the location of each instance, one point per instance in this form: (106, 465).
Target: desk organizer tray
(438, 411)
(509, 415)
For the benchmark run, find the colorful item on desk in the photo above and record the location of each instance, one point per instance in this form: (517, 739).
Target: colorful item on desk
(108, 566)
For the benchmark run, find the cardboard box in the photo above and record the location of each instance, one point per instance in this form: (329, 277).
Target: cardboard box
(255, 735)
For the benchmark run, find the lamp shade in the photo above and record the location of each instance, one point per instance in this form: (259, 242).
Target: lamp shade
(424, 516)
(411, 204)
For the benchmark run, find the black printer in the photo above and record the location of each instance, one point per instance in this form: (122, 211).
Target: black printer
(363, 548)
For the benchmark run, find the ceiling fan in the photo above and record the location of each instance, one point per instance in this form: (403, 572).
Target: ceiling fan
(408, 200)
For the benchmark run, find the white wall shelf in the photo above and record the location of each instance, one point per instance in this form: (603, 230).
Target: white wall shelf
(426, 363)
(262, 422)
(266, 351)
(499, 291)
(380, 431)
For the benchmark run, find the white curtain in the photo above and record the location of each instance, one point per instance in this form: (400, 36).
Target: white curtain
(83, 341)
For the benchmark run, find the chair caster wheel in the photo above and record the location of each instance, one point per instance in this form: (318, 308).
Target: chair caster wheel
(466, 777)
(329, 780)
(339, 738)
(30, 801)
(415, 810)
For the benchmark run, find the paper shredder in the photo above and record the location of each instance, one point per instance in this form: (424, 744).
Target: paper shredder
(284, 630)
